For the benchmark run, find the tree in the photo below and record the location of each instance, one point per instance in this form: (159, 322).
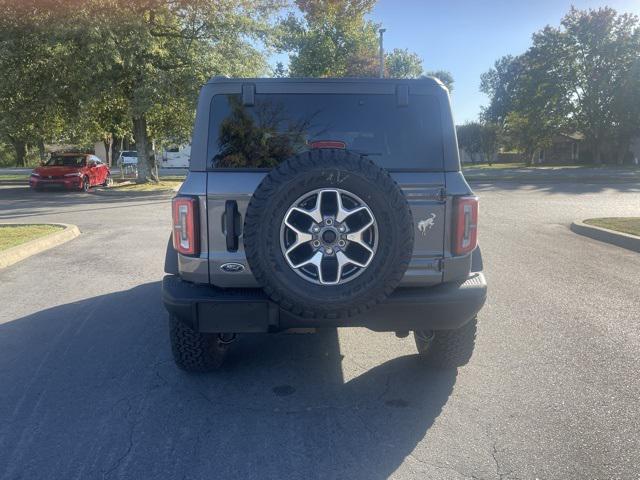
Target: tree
(489, 140)
(331, 39)
(470, 138)
(156, 54)
(581, 76)
(601, 49)
(36, 83)
(74, 70)
(280, 71)
(499, 84)
(528, 101)
(401, 63)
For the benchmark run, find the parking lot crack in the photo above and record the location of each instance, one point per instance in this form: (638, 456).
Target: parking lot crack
(130, 443)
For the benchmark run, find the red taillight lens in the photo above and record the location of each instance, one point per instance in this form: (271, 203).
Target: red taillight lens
(328, 144)
(185, 225)
(466, 225)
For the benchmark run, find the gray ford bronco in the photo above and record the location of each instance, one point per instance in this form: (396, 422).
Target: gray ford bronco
(315, 203)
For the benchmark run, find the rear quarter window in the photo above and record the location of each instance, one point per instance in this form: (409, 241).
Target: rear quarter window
(278, 126)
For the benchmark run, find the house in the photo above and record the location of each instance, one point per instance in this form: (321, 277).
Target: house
(565, 148)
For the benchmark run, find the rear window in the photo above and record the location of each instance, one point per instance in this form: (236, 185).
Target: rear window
(281, 125)
(66, 161)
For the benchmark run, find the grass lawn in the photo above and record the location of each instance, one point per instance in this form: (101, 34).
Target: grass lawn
(163, 186)
(13, 176)
(12, 235)
(629, 225)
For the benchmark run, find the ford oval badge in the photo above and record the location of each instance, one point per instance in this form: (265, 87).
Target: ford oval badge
(232, 267)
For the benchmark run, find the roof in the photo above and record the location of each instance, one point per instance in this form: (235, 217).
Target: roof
(424, 80)
(71, 154)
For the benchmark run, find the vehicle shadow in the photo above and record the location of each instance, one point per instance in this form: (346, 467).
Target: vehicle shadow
(94, 393)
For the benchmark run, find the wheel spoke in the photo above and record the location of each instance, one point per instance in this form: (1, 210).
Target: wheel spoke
(301, 236)
(356, 237)
(314, 260)
(301, 239)
(345, 260)
(313, 214)
(344, 213)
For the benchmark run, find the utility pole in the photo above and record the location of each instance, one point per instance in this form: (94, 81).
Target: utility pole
(381, 31)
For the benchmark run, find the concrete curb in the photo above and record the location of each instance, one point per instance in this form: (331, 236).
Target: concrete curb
(37, 245)
(624, 240)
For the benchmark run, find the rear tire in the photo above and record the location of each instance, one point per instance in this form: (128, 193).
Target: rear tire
(447, 348)
(194, 351)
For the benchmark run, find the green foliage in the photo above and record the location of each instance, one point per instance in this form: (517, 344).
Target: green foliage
(479, 138)
(469, 138)
(583, 76)
(96, 69)
(401, 63)
(332, 39)
(36, 84)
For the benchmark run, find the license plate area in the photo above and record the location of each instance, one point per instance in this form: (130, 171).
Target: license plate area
(233, 317)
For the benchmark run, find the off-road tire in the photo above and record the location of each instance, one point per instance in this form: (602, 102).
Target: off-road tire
(447, 348)
(194, 351)
(309, 171)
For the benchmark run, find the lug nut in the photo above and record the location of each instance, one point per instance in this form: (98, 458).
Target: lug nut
(328, 251)
(328, 221)
(342, 243)
(315, 229)
(316, 243)
(342, 229)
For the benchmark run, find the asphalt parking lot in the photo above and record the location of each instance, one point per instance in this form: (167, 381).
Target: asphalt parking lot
(89, 390)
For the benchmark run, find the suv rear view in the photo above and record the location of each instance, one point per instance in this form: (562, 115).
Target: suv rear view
(315, 203)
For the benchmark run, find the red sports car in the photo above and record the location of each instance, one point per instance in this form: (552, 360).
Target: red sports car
(72, 171)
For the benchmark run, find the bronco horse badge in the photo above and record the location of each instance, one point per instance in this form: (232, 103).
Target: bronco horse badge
(426, 224)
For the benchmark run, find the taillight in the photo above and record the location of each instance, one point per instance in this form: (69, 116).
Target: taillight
(466, 225)
(328, 144)
(185, 225)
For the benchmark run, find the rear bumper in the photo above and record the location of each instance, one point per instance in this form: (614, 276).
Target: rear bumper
(216, 310)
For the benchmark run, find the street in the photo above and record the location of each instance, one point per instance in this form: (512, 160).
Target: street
(89, 388)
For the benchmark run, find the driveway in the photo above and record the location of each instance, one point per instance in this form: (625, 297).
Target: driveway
(89, 389)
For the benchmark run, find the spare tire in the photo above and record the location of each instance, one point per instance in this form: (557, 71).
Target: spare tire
(328, 234)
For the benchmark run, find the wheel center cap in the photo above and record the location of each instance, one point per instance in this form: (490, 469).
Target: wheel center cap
(329, 236)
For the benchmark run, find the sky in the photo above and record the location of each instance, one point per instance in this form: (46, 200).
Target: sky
(467, 37)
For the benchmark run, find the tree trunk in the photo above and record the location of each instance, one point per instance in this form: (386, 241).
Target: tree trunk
(108, 148)
(146, 157)
(41, 150)
(21, 152)
(528, 157)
